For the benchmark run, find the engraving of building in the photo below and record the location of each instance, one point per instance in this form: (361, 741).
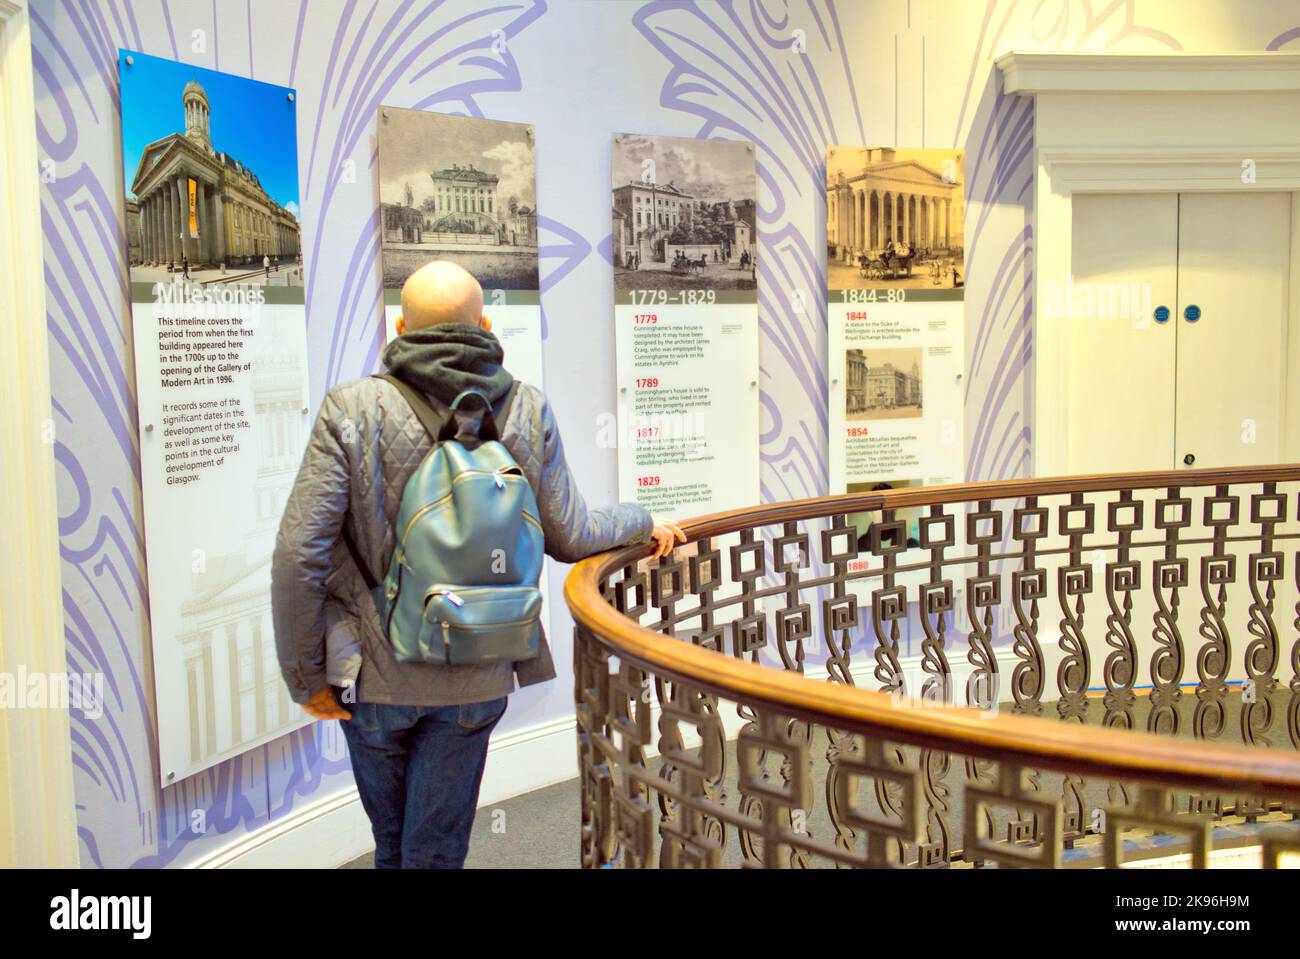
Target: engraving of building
(464, 200)
(463, 208)
(197, 204)
(888, 387)
(892, 201)
(652, 211)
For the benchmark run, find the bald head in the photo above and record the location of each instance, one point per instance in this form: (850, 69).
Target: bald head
(441, 292)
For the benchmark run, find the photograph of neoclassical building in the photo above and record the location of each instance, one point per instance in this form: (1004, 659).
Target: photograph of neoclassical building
(894, 217)
(461, 189)
(197, 209)
(683, 213)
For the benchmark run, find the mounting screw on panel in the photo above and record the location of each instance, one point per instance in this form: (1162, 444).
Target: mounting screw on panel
(130, 60)
(148, 427)
(291, 97)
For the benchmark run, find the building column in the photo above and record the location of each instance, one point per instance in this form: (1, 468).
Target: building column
(144, 230)
(168, 191)
(219, 218)
(155, 226)
(852, 209)
(192, 698)
(142, 225)
(842, 222)
(259, 678)
(872, 217)
(183, 218)
(907, 218)
(846, 221)
(947, 224)
(201, 212)
(846, 238)
(852, 241)
(160, 226)
(236, 698)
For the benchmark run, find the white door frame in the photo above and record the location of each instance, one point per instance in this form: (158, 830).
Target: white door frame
(38, 822)
(1166, 122)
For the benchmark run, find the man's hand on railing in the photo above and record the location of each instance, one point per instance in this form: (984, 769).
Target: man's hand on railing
(664, 534)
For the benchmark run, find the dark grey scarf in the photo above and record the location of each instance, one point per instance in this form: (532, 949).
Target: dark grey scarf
(447, 358)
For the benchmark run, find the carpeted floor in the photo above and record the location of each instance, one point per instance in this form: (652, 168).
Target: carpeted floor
(538, 830)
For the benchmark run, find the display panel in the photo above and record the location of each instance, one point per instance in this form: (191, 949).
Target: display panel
(216, 280)
(685, 256)
(895, 276)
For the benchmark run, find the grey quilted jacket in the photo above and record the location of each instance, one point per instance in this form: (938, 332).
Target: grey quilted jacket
(364, 447)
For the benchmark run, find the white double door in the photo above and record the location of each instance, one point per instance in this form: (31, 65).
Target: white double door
(1177, 330)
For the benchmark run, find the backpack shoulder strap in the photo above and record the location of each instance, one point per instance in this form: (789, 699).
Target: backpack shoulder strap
(430, 418)
(434, 419)
(502, 412)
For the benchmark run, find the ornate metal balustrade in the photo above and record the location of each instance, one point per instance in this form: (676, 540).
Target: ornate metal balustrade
(1085, 671)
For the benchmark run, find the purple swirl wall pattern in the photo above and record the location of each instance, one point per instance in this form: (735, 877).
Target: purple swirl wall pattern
(724, 69)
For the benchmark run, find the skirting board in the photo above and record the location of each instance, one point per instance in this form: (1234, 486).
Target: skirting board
(328, 832)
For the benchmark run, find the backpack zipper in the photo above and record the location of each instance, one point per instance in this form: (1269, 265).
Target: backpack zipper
(501, 484)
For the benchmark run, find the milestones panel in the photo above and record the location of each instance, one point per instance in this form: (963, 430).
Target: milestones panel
(216, 278)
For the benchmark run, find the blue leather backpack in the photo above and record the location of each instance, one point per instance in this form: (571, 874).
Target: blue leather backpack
(461, 588)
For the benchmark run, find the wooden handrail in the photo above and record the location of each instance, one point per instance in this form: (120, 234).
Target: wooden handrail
(1015, 739)
(729, 521)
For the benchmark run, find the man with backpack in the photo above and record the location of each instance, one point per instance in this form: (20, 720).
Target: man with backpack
(404, 580)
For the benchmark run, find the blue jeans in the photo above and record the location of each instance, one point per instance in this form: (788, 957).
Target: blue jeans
(418, 770)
